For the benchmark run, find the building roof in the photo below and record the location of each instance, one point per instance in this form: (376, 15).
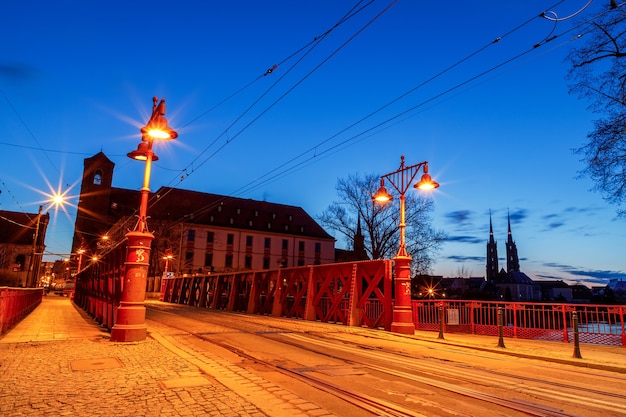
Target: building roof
(552, 284)
(19, 228)
(178, 205)
(513, 277)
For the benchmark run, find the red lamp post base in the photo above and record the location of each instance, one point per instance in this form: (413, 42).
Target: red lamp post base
(402, 312)
(130, 323)
(129, 333)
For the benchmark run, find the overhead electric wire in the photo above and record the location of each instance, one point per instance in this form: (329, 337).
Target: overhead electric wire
(255, 184)
(343, 45)
(250, 186)
(310, 46)
(271, 69)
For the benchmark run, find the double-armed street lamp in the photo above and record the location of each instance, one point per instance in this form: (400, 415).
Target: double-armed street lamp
(130, 323)
(401, 180)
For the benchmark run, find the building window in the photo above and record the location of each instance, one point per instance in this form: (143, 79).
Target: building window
(248, 261)
(301, 246)
(318, 247)
(266, 262)
(228, 262)
(230, 238)
(268, 243)
(191, 235)
(232, 220)
(208, 259)
(189, 259)
(20, 260)
(285, 244)
(97, 178)
(248, 240)
(269, 225)
(210, 236)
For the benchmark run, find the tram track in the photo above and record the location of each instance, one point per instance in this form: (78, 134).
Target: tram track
(376, 406)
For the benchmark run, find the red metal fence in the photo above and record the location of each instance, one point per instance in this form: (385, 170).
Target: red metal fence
(17, 303)
(597, 324)
(353, 294)
(98, 288)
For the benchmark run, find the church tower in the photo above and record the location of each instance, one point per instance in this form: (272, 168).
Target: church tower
(492, 255)
(93, 205)
(512, 260)
(359, 243)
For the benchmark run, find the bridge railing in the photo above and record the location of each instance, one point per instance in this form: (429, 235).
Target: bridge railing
(17, 303)
(353, 294)
(598, 324)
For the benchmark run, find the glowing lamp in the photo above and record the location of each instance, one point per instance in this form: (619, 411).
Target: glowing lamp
(382, 196)
(426, 183)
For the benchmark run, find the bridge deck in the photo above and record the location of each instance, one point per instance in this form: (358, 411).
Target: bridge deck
(49, 359)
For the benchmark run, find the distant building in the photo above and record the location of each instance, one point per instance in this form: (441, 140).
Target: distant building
(618, 288)
(204, 232)
(512, 284)
(22, 237)
(556, 291)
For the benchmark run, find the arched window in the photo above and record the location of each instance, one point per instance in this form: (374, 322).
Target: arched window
(97, 177)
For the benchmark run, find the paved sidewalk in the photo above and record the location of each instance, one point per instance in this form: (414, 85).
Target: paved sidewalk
(609, 358)
(58, 362)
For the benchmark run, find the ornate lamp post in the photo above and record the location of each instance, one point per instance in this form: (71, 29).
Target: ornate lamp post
(130, 323)
(400, 180)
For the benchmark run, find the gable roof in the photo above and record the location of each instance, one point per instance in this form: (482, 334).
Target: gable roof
(175, 204)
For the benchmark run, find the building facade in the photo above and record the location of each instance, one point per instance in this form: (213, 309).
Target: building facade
(22, 237)
(201, 232)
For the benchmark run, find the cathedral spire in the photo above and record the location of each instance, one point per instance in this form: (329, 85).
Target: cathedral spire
(512, 260)
(359, 242)
(492, 254)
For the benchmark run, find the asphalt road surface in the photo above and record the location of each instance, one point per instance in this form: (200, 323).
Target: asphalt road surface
(362, 372)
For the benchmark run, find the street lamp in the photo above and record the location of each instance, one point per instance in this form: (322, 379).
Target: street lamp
(130, 323)
(167, 258)
(400, 180)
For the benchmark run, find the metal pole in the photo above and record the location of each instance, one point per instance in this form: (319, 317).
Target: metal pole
(500, 328)
(130, 325)
(576, 354)
(441, 322)
(31, 274)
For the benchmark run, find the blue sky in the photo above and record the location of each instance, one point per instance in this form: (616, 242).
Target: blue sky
(427, 81)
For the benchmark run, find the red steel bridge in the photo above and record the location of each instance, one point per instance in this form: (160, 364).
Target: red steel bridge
(352, 294)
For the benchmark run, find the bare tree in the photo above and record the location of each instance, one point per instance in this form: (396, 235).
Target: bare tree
(598, 74)
(379, 224)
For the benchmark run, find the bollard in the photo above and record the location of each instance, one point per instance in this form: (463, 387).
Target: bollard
(441, 320)
(500, 328)
(576, 354)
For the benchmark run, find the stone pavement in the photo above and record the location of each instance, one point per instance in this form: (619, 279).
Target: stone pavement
(58, 362)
